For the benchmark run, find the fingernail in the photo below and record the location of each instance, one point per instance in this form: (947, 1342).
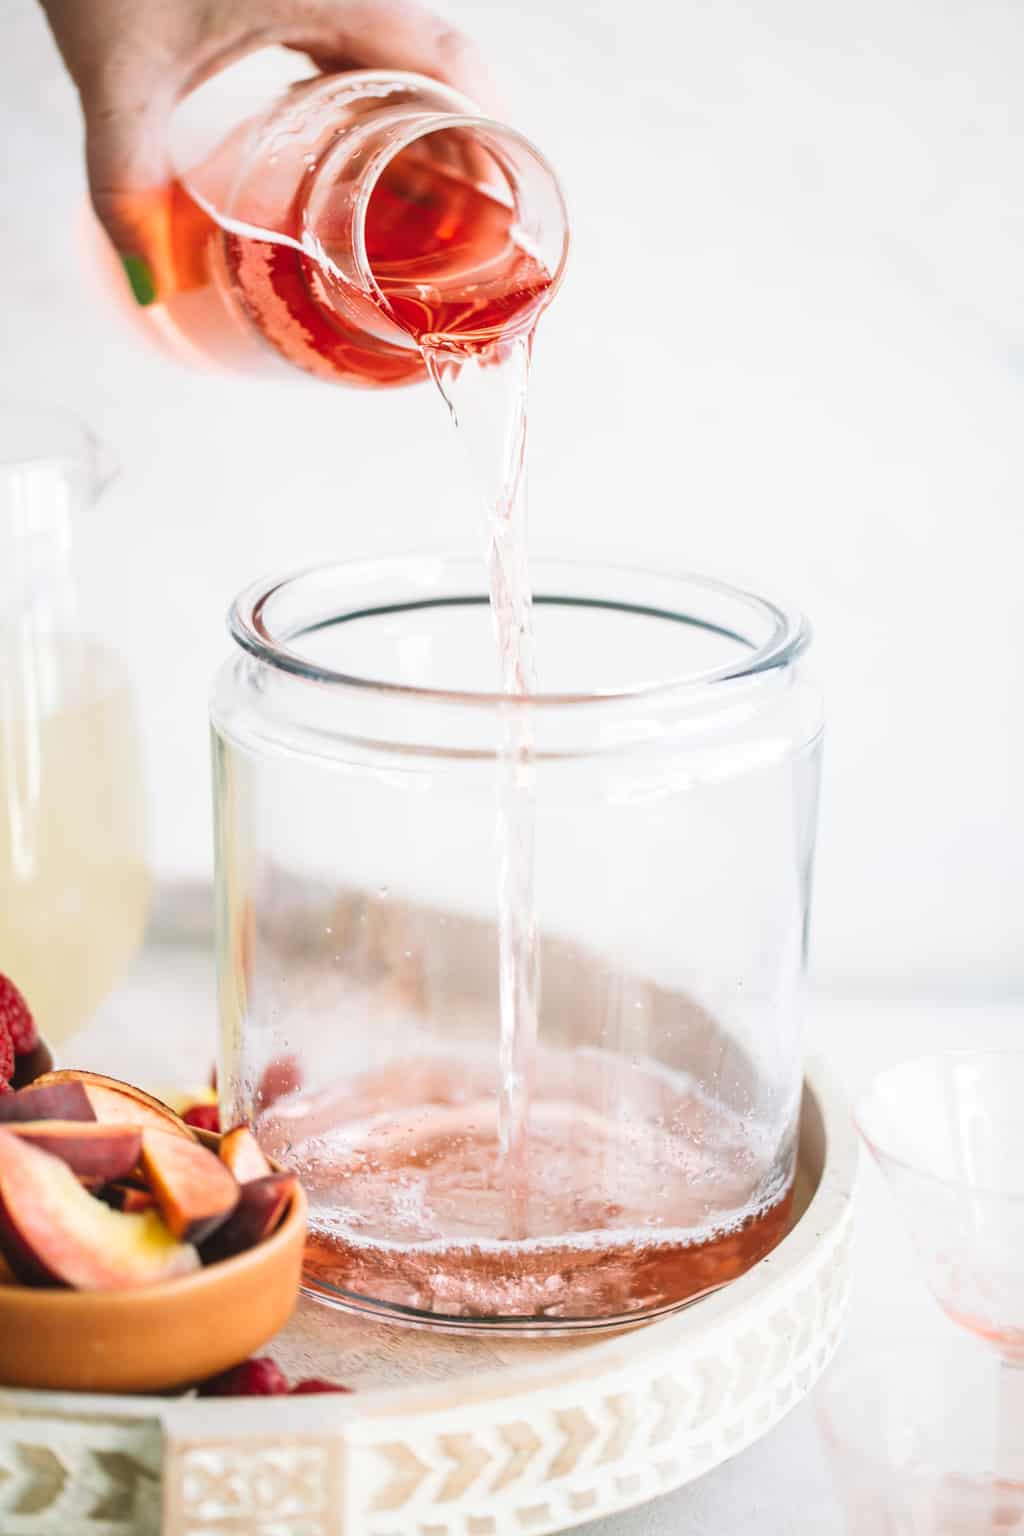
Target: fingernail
(141, 279)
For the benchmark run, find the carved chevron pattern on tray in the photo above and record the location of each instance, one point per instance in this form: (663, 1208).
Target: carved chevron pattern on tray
(586, 1451)
(584, 1432)
(61, 1476)
(550, 1459)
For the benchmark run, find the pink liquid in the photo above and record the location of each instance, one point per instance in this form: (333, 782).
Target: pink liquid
(450, 274)
(488, 402)
(622, 1215)
(1007, 1338)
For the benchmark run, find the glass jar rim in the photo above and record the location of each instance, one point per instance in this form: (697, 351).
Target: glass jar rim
(788, 633)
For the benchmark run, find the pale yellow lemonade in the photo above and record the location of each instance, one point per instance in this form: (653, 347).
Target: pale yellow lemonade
(74, 885)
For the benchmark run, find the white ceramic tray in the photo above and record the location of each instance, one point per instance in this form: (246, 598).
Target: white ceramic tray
(456, 1436)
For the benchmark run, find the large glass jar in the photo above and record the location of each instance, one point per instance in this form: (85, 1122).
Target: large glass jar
(357, 741)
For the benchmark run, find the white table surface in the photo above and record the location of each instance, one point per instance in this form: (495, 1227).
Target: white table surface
(783, 1486)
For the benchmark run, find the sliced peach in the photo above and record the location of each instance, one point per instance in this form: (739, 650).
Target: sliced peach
(117, 1103)
(57, 1101)
(127, 1197)
(241, 1151)
(194, 1190)
(95, 1153)
(262, 1204)
(54, 1232)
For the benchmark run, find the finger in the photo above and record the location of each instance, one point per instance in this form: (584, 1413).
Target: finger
(129, 180)
(393, 34)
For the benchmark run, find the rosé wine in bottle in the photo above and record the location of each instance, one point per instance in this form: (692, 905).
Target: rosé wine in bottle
(361, 219)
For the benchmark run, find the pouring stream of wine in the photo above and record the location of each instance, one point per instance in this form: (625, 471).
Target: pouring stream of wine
(487, 398)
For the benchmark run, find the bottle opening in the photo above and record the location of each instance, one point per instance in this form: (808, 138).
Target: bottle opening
(455, 227)
(444, 247)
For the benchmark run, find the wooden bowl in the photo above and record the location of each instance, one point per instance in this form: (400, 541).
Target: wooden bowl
(156, 1337)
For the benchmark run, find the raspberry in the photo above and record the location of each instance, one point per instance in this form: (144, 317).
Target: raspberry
(315, 1384)
(253, 1378)
(6, 1055)
(14, 1013)
(205, 1117)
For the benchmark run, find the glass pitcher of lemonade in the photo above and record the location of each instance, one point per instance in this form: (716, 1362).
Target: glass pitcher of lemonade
(347, 225)
(74, 885)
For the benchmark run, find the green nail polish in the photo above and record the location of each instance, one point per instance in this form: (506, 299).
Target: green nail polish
(141, 279)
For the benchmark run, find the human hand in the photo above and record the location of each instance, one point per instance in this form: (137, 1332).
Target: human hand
(132, 62)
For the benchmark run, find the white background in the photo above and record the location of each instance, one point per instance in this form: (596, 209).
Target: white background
(790, 352)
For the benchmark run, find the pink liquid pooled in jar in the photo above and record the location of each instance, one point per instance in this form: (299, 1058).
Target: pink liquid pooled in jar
(621, 1215)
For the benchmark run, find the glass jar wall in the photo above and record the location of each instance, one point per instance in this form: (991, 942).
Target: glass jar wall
(673, 783)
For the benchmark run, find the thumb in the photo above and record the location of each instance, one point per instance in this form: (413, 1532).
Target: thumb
(130, 184)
